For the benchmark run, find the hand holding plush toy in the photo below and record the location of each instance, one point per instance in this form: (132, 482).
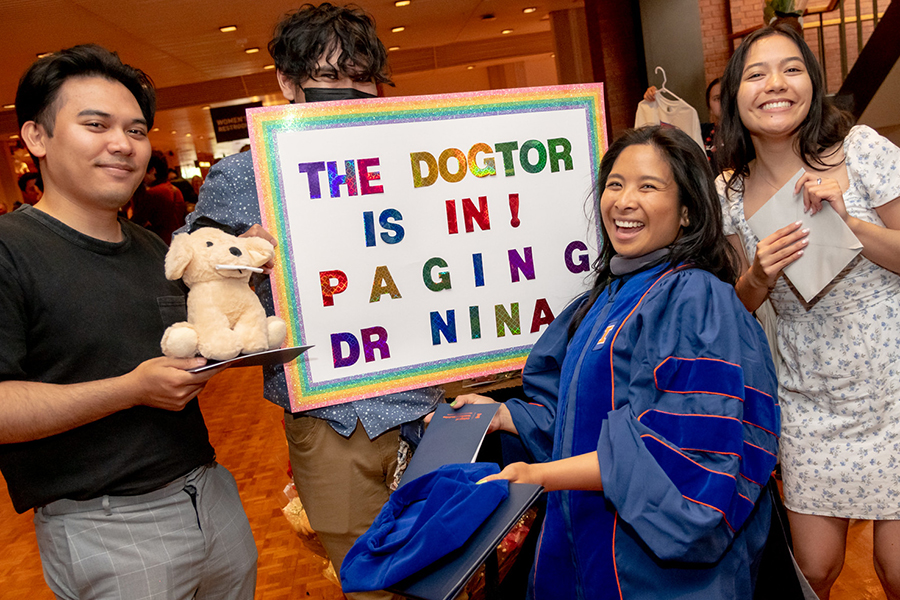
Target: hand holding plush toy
(225, 318)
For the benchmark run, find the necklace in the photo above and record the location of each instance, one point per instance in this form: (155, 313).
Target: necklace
(766, 180)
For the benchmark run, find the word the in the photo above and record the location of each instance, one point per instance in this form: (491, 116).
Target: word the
(348, 179)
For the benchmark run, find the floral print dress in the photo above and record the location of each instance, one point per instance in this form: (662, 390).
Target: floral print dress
(839, 371)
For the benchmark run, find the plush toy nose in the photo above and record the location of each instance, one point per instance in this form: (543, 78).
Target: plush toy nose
(235, 251)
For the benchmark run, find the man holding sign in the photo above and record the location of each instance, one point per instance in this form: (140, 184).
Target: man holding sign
(343, 471)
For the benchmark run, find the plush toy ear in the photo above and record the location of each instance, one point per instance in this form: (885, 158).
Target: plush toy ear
(179, 256)
(259, 250)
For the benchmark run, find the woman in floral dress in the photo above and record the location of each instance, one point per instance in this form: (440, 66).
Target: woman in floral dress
(838, 380)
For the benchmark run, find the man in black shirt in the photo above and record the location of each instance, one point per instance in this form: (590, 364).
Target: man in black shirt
(99, 434)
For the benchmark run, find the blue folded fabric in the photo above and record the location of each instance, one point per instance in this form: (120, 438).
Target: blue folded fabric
(424, 520)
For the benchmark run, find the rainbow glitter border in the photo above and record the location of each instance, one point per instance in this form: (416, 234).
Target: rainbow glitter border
(264, 125)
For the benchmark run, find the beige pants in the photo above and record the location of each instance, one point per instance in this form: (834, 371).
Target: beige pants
(342, 482)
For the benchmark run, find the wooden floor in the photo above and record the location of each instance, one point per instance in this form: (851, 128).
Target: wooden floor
(248, 436)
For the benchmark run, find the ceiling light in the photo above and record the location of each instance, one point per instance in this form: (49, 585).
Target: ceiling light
(9, 106)
(14, 136)
(174, 132)
(506, 31)
(269, 67)
(397, 29)
(402, 2)
(228, 28)
(203, 164)
(393, 48)
(529, 10)
(206, 107)
(251, 50)
(470, 67)
(44, 54)
(187, 135)
(155, 129)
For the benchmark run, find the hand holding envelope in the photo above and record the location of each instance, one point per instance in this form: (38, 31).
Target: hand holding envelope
(831, 243)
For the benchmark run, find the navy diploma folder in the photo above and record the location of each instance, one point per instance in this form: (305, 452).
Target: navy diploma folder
(455, 436)
(444, 579)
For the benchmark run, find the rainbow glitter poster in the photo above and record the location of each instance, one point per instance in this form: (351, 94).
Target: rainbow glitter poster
(426, 239)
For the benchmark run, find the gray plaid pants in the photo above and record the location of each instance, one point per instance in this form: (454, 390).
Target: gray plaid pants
(188, 539)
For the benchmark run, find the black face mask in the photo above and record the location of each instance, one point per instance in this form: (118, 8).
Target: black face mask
(317, 94)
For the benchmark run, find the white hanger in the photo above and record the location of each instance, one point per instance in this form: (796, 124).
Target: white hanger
(665, 79)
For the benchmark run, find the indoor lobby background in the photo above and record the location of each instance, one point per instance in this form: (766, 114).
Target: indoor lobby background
(206, 55)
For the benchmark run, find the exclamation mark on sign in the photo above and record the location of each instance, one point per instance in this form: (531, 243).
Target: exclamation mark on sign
(514, 210)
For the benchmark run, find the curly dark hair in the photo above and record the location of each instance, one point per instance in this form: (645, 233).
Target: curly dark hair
(824, 126)
(702, 244)
(304, 36)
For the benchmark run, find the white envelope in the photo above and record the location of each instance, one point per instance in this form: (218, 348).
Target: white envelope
(831, 243)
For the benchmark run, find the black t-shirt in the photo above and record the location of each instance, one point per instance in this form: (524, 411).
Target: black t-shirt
(76, 309)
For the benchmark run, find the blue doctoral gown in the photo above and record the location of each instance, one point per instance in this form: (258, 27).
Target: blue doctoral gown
(669, 379)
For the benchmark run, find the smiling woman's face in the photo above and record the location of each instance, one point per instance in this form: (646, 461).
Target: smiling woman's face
(639, 206)
(775, 91)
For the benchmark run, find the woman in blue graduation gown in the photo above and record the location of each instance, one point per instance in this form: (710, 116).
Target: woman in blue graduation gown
(666, 427)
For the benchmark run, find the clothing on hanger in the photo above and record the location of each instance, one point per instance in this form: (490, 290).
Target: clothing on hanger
(667, 112)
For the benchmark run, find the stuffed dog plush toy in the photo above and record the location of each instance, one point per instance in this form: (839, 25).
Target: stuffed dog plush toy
(225, 318)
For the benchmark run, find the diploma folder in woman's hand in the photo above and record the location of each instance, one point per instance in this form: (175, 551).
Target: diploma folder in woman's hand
(455, 436)
(831, 243)
(444, 579)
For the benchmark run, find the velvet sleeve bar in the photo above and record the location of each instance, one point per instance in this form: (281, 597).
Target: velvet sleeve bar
(692, 437)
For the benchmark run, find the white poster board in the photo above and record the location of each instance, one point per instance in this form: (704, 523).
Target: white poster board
(428, 239)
